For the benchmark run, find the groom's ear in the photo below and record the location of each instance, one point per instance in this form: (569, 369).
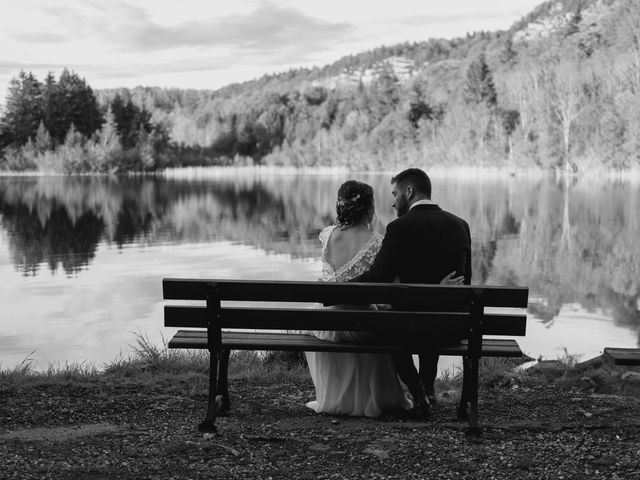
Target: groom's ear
(409, 192)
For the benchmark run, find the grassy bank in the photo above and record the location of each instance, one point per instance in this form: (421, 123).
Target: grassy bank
(153, 363)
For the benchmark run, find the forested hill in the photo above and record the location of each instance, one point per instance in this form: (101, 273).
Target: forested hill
(559, 89)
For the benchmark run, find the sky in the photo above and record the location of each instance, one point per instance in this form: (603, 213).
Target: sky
(207, 44)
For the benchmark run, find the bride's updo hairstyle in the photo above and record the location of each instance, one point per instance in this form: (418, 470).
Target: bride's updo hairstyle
(355, 199)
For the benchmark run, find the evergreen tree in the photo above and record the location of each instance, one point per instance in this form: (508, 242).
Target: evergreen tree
(53, 115)
(479, 87)
(131, 121)
(108, 135)
(315, 95)
(418, 107)
(23, 110)
(419, 110)
(78, 103)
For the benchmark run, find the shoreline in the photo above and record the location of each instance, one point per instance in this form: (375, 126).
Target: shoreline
(465, 172)
(150, 359)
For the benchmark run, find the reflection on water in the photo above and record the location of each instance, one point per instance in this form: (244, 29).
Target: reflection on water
(81, 258)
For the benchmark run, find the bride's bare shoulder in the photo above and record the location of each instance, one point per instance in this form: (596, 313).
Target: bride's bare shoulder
(326, 233)
(337, 235)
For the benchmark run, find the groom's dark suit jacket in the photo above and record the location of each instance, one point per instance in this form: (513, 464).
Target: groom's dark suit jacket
(422, 246)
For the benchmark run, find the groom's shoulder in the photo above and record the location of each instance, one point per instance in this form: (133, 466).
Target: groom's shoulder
(396, 222)
(454, 216)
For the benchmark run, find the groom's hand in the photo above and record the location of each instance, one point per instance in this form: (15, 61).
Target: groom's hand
(383, 306)
(451, 280)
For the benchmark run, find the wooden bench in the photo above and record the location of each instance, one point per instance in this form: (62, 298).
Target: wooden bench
(419, 310)
(623, 356)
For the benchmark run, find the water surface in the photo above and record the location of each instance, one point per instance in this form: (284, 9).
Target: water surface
(82, 258)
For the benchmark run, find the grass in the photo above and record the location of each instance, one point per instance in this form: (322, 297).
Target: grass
(26, 373)
(151, 358)
(494, 372)
(158, 363)
(151, 363)
(596, 375)
(162, 361)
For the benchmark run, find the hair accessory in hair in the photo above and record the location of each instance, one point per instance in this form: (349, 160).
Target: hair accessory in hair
(343, 202)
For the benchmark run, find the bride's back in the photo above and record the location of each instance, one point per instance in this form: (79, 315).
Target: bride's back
(343, 245)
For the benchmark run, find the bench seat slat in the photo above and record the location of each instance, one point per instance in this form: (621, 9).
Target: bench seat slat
(437, 323)
(352, 293)
(197, 339)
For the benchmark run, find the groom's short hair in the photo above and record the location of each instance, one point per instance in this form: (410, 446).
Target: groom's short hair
(416, 178)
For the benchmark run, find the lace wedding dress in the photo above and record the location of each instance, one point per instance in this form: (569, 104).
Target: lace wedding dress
(358, 384)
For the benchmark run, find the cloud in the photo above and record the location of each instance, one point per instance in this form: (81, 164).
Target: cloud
(267, 28)
(40, 37)
(280, 31)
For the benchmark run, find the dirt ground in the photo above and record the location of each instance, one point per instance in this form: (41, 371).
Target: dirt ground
(141, 429)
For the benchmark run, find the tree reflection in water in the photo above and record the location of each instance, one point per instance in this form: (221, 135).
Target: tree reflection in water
(572, 241)
(57, 241)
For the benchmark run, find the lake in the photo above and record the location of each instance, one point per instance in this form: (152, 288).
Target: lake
(82, 258)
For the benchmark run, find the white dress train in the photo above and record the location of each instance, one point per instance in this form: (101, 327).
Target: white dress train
(357, 384)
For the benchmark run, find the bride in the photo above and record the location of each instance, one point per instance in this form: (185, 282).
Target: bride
(357, 384)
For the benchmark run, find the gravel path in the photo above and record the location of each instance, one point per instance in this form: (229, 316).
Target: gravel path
(146, 429)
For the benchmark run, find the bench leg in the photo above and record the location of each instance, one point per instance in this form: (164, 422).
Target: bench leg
(463, 408)
(215, 400)
(473, 433)
(223, 383)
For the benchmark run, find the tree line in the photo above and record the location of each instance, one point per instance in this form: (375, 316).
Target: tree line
(568, 100)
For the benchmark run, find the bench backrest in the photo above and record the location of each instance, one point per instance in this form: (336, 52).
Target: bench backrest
(419, 309)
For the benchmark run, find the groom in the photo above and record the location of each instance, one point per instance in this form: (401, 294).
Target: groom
(423, 245)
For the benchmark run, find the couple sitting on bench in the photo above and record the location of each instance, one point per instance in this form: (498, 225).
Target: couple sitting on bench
(420, 250)
(424, 245)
